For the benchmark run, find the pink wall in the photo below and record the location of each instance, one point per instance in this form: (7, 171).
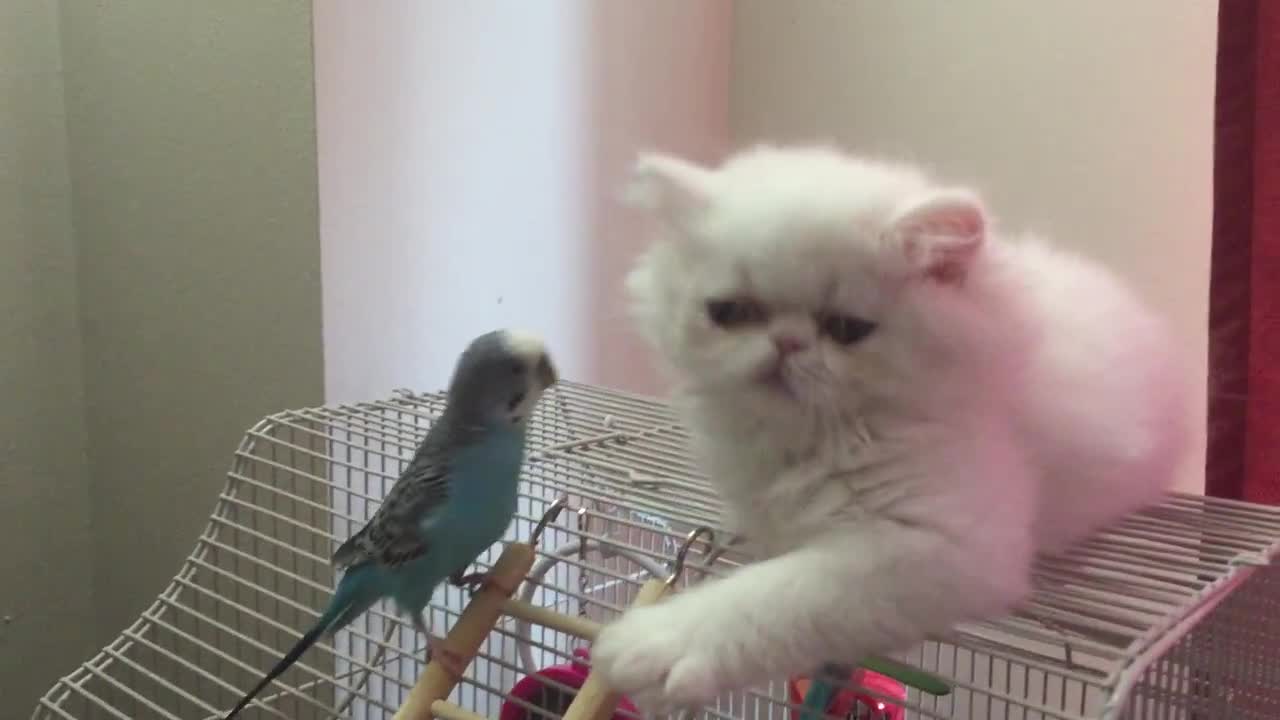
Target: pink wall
(658, 79)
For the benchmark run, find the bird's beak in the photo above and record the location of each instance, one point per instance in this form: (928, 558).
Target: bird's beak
(546, 372)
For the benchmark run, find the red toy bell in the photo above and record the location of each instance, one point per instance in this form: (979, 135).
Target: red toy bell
(550, 699)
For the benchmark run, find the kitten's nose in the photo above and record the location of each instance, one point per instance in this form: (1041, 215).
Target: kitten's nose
(788, 344)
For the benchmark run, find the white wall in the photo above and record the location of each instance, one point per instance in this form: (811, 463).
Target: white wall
(1089, 121)
(450, 171)
(469, 160)
(469, 157)
(450, 168)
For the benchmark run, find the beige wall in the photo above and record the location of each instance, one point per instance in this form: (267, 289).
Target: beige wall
(46, 608)
(192, 139)
(1089, 121)
(159, 292)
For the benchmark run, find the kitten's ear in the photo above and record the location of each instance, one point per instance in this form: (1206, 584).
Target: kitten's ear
(940, 234)
(674, 189)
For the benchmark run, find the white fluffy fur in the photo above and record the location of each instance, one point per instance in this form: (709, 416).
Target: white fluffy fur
(1012, 399)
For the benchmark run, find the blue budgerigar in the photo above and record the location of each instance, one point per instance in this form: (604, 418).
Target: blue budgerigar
(455, 498)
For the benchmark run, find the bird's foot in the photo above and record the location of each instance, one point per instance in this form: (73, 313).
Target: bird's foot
(469, 581)
(473, 582)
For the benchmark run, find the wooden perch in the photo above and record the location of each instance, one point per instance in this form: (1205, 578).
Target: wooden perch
(595, 700)
(461, 645)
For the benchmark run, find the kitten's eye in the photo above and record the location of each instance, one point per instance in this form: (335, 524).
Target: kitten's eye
(734, 313)
(517, 367)
(845, 329)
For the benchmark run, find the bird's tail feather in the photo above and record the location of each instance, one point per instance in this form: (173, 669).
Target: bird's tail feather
(290, 658)
(347, 605)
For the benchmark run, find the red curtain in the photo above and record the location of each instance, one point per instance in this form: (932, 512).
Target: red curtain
(1244, 303)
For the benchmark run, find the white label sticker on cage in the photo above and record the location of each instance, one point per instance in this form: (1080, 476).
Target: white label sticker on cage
(648, 519)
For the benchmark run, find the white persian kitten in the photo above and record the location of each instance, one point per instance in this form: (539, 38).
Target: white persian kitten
(899, 406)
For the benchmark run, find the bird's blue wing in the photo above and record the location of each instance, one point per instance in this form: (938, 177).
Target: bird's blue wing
(395, 533)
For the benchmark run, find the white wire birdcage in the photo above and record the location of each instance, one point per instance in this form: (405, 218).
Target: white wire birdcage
(1175, 613)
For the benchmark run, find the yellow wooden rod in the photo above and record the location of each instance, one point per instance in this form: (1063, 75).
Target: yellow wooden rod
(448, 711)
(595, 701)
(548, 618)
(452, 655)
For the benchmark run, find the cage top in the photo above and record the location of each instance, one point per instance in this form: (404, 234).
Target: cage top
(1095, 610)
(302, 479)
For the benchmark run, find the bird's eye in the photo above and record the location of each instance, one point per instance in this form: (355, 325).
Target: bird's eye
(845, 329)
(515, 401)
(517, 367)
(735, 313)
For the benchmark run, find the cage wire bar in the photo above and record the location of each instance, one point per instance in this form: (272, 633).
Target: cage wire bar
(1172, 614)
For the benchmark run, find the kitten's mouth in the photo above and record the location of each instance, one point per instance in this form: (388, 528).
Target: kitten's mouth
(773, 378)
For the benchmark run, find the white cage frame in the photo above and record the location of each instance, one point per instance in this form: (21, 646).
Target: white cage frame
(1175, 613)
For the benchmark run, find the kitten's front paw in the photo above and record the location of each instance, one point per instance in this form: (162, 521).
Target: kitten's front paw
(653, 654)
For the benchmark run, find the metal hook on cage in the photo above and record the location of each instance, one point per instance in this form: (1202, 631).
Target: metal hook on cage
(713, 553)
(717, 551)
(678, 568)
(471, 582)
(1067, 649)
(584, 520)
(584, 523)
(595, 700)
(547, 518)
